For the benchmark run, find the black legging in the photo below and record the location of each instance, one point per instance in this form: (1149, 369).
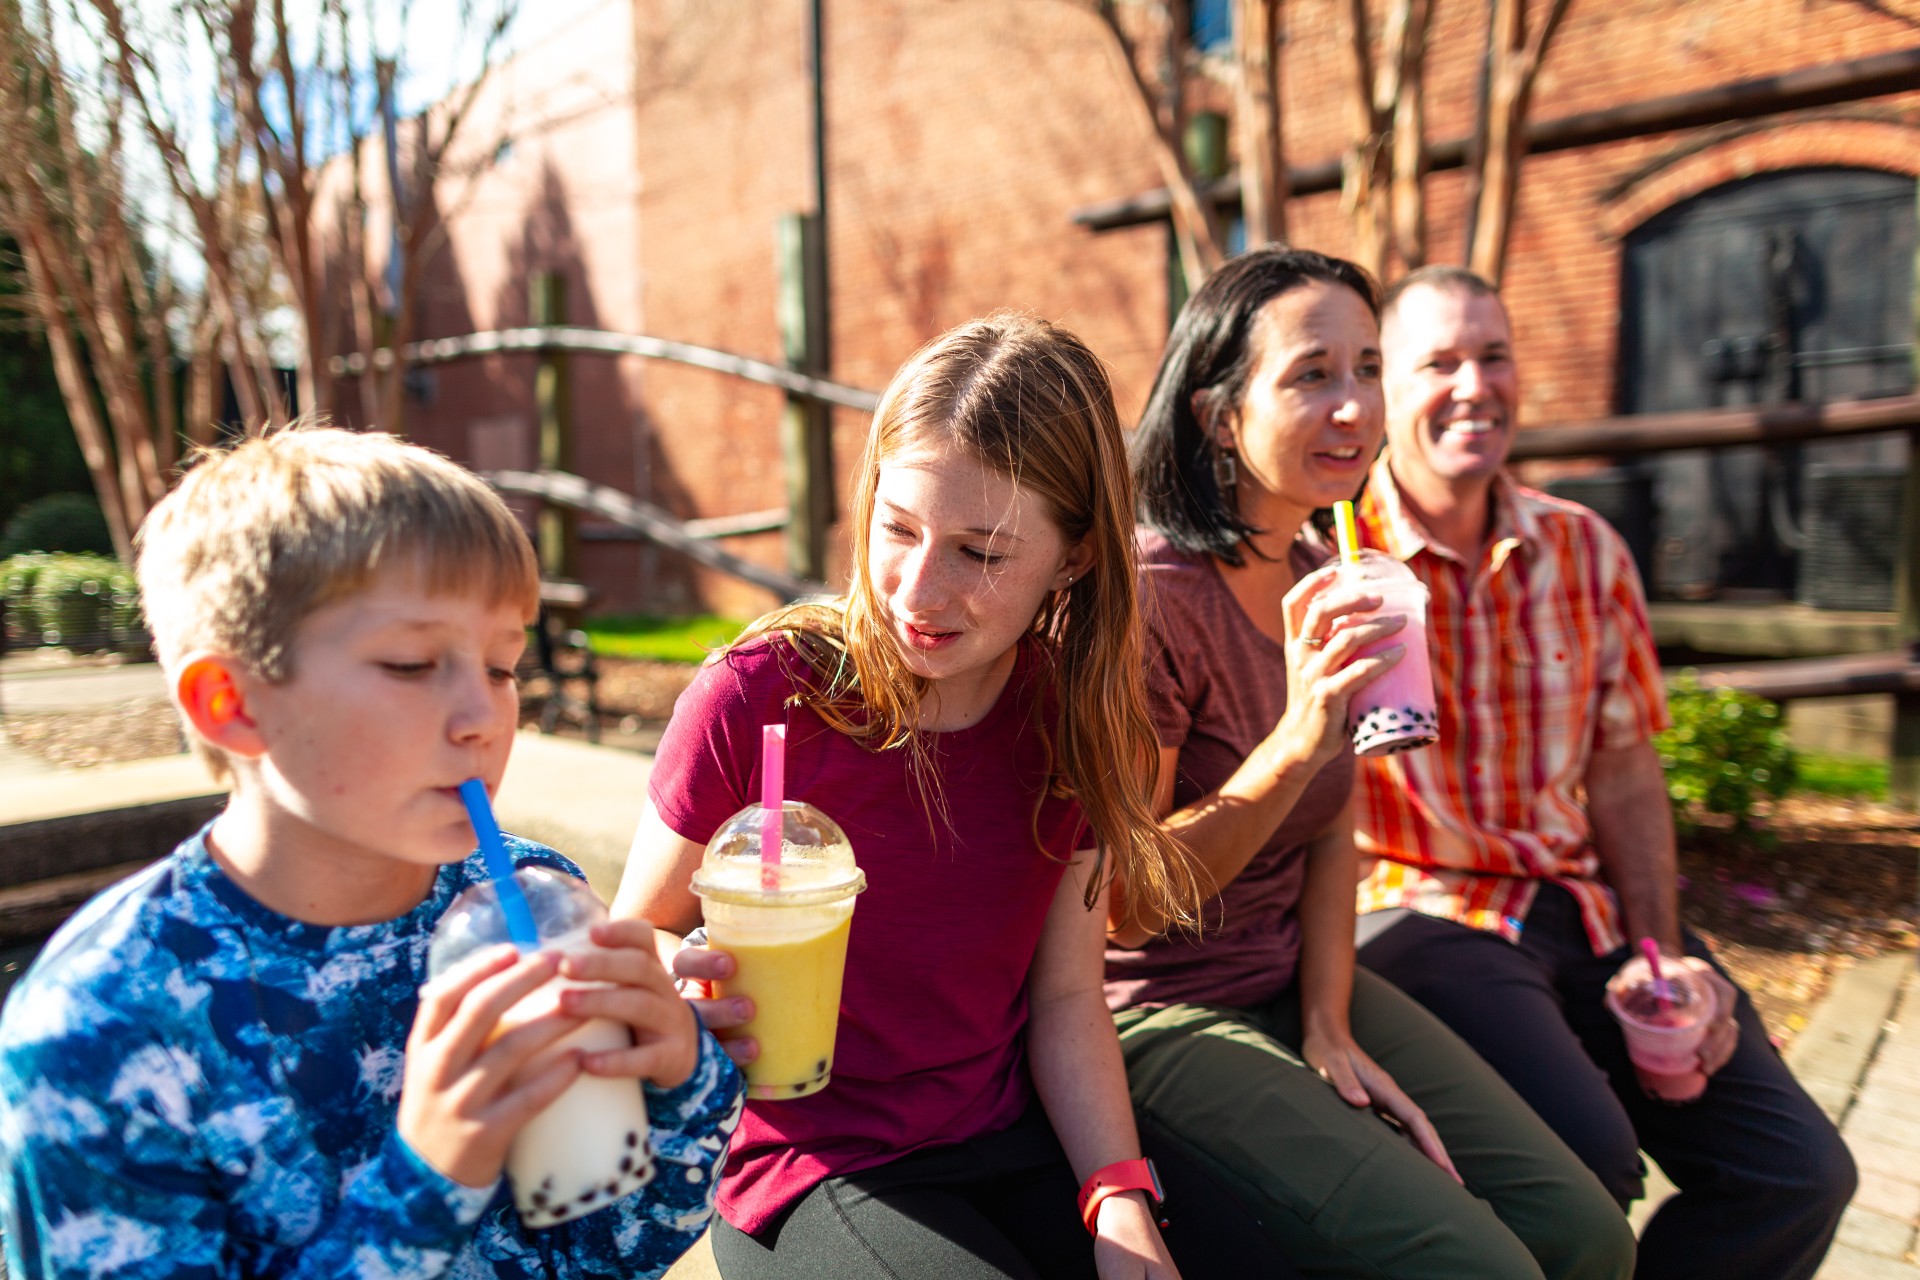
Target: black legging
(995, 1208)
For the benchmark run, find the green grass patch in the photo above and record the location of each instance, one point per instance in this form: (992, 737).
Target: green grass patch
(1849, 777)
(661, 639)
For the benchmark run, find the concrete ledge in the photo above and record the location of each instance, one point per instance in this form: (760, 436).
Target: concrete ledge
(60, 793)
(50, 848)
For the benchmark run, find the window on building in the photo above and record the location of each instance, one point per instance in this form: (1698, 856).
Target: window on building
(1211, 26)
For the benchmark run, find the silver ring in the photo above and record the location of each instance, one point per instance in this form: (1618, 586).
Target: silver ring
(1313, 642)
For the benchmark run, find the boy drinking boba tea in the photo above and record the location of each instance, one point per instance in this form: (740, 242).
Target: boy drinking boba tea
(233, 1063)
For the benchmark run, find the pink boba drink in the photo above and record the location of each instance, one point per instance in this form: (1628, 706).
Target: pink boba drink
(1663, 1035)
(1395, 711)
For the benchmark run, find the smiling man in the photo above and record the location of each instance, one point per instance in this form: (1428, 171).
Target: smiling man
(1511, 869)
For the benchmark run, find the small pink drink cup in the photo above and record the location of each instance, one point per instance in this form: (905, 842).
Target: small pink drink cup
(1395, 711)
(1663, 1036)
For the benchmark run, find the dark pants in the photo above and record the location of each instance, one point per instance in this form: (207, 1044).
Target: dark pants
(997, 1208)
(1763, 1175)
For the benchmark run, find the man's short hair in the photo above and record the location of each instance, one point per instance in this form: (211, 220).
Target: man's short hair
(1444, 277)
(259, 536)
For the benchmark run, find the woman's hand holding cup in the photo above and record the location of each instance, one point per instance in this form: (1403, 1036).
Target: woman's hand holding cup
(1322, 639)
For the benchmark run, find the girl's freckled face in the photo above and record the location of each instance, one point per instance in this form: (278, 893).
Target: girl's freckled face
(962, 559)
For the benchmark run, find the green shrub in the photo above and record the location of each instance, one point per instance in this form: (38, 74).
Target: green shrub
(1726, 750)
(73, 600)
(58, 522)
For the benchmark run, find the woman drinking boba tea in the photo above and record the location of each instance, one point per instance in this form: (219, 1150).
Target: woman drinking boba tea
(971, 715)
(1361, 1135)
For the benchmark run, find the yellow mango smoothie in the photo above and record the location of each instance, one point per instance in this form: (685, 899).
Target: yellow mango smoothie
(786, 926)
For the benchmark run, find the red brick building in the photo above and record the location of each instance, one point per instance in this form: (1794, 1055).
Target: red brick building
(655, 145)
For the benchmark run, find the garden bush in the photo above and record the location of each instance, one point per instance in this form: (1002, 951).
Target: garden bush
(69, 522)
(1725, 751)
(79, 601)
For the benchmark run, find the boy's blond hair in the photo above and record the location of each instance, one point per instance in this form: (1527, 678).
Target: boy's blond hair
(259, 536)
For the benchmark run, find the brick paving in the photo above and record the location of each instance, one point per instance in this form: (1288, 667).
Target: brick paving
(1881, 1122)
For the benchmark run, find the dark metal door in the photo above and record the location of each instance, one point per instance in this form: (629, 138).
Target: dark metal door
(1784, 286)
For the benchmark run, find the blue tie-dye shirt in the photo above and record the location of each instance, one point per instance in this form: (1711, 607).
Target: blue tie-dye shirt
(193, 1085)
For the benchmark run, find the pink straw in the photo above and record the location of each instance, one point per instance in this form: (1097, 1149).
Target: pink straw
(773, 789)
(1662, 989)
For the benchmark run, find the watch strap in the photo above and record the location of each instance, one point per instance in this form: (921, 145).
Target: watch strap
(1122, 1175)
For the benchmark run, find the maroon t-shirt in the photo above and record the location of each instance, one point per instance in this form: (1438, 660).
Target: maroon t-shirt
(1216, 687)
(932, 1042)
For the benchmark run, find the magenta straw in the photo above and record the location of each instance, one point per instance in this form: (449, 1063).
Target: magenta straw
(773, 794)
(1662, 989)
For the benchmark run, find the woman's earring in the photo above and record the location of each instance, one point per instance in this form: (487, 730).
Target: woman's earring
(1226, 472)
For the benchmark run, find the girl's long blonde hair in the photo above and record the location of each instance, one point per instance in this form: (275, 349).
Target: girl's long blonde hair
(1029, 400)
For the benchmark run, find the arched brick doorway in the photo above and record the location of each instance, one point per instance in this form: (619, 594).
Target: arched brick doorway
(1796, 284)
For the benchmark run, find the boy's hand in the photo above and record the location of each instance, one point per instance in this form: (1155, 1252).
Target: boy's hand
(640, 994)
(462, 1098)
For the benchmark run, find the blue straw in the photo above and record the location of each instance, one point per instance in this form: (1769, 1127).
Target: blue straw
(513, 903)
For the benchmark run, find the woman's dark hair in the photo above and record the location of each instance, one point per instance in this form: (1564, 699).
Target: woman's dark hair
(1209, 359)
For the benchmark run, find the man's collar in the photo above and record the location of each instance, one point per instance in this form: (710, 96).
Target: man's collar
(1405, 535)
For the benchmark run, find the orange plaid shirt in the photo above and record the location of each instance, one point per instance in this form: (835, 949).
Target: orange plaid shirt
(1541, 653)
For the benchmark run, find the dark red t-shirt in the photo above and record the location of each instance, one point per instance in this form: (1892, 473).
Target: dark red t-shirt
(1216, 686)
(932, 1047)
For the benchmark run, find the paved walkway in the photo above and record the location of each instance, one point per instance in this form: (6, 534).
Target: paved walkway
(1859, 1055)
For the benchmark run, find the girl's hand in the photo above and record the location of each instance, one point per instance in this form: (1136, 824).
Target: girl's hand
(638, 993)
(1127, 1243)
(462, 1100)
(698, 967)
(1322, 671)
(1362, 1082)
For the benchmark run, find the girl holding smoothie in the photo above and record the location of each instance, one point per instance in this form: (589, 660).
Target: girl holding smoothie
(1360, 1134)
(971, 714)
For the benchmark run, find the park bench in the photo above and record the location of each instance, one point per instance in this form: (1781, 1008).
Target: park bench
(563, 660)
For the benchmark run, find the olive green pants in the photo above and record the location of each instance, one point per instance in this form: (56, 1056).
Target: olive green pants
(1339, 1191)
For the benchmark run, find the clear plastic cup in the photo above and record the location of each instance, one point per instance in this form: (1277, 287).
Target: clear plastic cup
(1396, 711)
(786, 926)
(590, 1146)
(1663, 1039)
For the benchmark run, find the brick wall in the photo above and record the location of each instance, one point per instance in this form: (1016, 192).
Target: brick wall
(962, 134)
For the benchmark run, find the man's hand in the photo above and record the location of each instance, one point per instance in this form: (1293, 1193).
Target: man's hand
(462, 1096)
(1723, 1033)
(632, 988)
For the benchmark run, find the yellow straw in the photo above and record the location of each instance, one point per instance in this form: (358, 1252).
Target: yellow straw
(1343, 529)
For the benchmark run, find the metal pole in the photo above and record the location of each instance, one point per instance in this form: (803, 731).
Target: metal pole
(548, 303)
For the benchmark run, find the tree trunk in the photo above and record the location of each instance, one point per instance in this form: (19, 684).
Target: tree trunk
(1195, 228)
(1409, 160)
(76, 390)
(1263, 165)
(1365, 179)
(1516, 61)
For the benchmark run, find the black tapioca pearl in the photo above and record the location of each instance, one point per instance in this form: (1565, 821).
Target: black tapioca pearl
(820, 1067)
(633, 1138)
(539, 1199)
(613, 1190)
(626, 1164)
(589, 1195)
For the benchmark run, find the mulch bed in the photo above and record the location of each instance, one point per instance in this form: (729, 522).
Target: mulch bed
(102, 735)
(1820, 884)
